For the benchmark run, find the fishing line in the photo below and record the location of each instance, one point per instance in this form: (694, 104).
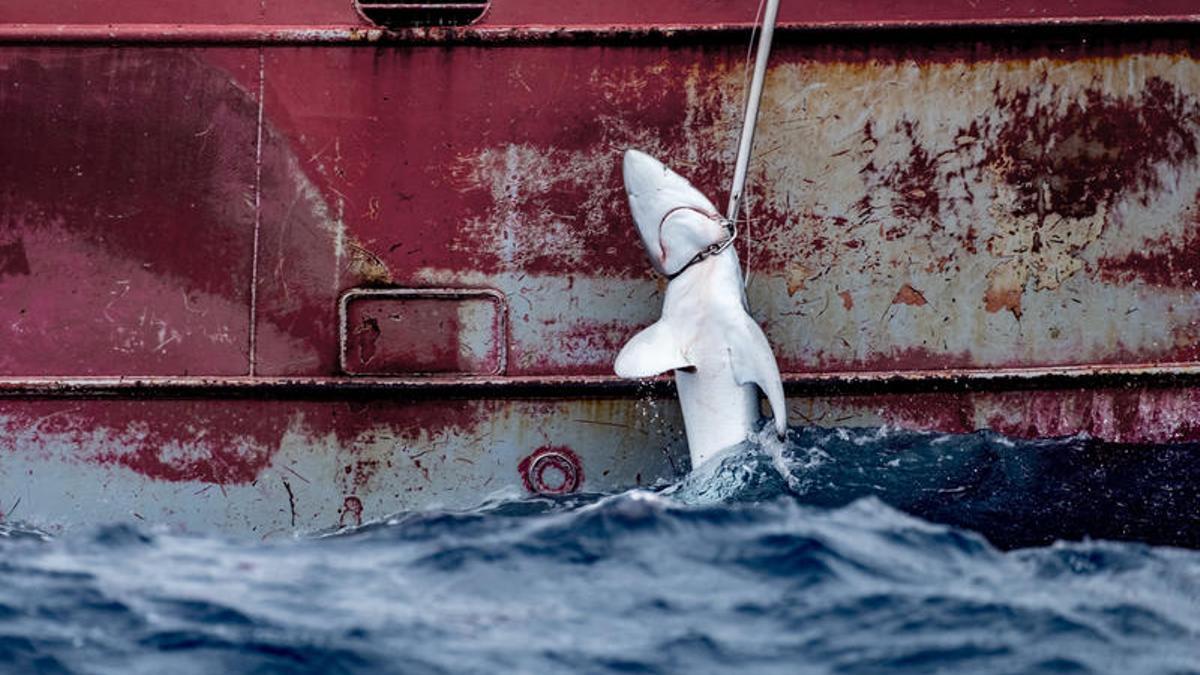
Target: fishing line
(769, 10)
(746, 86)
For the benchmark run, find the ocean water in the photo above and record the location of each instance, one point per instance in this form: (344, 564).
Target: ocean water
(839, 551)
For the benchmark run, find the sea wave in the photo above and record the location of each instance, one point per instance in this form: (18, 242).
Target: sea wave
(849, 551)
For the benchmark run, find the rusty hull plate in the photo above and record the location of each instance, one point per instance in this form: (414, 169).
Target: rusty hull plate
(184, 218)
(273, 467)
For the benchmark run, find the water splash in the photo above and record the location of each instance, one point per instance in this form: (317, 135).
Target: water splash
(1016, 492)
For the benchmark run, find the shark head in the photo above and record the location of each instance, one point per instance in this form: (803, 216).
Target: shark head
(674, 220)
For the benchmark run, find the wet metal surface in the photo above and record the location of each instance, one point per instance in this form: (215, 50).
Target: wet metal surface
(228, 248)
(271, 467)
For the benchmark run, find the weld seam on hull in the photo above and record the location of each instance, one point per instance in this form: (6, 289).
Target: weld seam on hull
(839, 383)
(249, 34)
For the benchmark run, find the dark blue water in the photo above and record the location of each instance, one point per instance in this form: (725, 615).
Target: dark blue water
(869, 551)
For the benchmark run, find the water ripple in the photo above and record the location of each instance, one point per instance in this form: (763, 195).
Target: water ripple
(841, 551)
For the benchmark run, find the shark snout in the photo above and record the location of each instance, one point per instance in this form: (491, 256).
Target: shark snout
(643, 175)
(641, 171)
(656, 192)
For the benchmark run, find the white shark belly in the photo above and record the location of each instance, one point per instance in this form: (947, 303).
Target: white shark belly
(717, 411)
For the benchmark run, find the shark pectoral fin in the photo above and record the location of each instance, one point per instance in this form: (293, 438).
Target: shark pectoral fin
(752, 361)
(652, 351)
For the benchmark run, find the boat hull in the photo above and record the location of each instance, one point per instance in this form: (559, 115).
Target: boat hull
(267, 274)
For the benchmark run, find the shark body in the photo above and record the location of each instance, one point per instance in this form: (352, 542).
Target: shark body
(720, 355)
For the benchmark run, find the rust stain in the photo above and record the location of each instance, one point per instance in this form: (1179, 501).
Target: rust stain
(365, 337)
(1166, 261)
(1046, 246)
(1075, 154)
(907, 295)
(997, 184)
(915, 184)
(797, 277)
(225, 443)
(1006, 283)
(368, 267)
(13, 260)
(362, 471)
(847, 300)
(1116, 415)
(1065, 162)
(1186, 341)
(912, 358)
(351, 513)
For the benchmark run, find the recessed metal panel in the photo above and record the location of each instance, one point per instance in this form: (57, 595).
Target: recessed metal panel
(422, 332)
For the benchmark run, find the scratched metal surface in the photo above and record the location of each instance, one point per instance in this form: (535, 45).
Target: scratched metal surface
(922, 200)
(269, 468)
(935, 207)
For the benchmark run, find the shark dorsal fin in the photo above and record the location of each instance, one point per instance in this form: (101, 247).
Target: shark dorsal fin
(653, 351)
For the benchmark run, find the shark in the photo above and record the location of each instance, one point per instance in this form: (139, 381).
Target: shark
(720, 357)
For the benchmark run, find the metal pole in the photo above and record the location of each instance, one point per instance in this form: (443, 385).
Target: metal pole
(752, 101)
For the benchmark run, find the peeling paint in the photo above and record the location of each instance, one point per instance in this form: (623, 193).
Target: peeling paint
(974, 205)
(907, 295)
(273, 467)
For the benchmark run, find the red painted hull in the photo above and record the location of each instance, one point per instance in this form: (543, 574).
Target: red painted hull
(220, 224)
